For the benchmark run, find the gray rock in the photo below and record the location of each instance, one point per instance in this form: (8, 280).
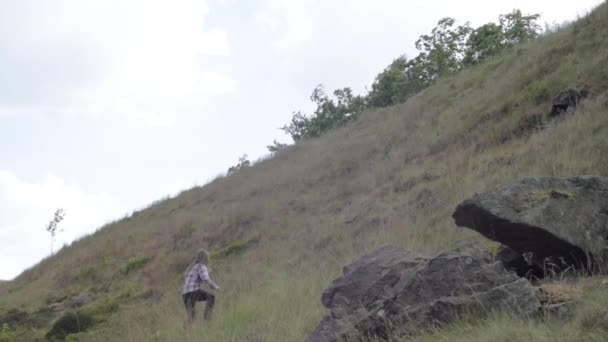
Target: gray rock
(516, 262)
(366, 279)
(393, 291)
(555, 223)
(567, 100)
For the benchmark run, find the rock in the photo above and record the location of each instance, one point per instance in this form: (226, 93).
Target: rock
(70, 322)
(554, 223)
(365, 280)
(392, 291)
(514, 261)
(566, 100)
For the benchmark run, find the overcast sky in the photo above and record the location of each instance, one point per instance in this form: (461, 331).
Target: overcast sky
(108, 105)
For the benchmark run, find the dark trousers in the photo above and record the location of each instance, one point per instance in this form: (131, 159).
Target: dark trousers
(190, 300)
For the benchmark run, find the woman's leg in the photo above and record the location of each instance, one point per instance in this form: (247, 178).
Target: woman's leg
(190, 300)
(209, 307)
(189, 303)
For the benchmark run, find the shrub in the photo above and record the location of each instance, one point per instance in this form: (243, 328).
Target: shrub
(71, 322)
(7, 334)
(243, 163)
(14, 317)
(134, 264)
(103, 308)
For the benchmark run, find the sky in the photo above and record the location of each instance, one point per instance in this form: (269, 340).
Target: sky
(109, 105)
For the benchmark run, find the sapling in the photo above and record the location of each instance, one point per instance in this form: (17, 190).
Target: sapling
(52, 227)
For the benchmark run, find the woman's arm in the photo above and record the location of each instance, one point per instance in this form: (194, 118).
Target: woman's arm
(204, 274)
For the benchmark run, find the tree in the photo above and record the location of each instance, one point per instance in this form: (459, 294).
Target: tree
(443, 50)
(276, 147)
(485, 41)
(391, 86)
(330, 113)
(518, 28)
(441, 53)
(446, 50)
(52, 226)
(490, 39)
(243, 163)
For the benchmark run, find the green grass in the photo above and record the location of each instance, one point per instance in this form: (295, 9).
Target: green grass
(589, 322)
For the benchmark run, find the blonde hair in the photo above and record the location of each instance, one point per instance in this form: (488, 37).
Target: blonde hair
(201, 257)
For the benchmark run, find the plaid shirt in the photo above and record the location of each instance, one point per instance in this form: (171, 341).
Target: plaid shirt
(195, 277)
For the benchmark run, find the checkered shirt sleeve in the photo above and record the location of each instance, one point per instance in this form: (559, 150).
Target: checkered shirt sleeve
(195, 277)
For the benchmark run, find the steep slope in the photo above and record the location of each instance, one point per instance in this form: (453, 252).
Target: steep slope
(280, 230)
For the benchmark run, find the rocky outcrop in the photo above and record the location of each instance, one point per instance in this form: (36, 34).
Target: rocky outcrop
(392, 291)
(567, 100)
(514, 261)
(554, 224)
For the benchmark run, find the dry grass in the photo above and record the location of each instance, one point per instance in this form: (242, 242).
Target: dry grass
(393, 176)
(560, 292)
(588, 322)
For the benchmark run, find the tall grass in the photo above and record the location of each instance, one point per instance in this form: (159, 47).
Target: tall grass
(588, 322)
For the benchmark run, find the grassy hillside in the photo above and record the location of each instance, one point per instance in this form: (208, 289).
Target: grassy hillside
(281, 230)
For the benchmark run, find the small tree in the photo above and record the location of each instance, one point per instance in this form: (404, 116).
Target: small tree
(330, 113)
(276, 147)
(243, 163)
(52, 227)
(389, 85)
(442, 51)
(485, 41)
(519, 28)
(490, 39)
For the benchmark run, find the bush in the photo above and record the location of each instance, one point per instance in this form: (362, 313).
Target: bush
(106, 306)
(70, 323)
(330, 113)
(135, 264)
(7, 334)
(243, 163)
(14, 317)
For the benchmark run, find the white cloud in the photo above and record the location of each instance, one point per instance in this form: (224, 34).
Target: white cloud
(149, 119)
(293, 19)
(265, 21)
(26, 207)
(215, 43)
(137, 59)
(217, 84)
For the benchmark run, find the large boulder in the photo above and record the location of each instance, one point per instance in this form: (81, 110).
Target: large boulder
(392, 291)
(366, 279)
(555, 224)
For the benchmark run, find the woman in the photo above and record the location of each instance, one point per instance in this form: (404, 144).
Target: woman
(196, 274)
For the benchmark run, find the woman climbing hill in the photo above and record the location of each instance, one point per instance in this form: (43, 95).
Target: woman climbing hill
(196, 274)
